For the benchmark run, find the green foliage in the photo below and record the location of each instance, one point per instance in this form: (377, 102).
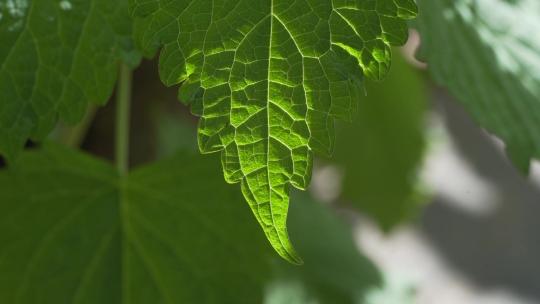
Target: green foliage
(487, 53)
(55, 58)
(380, 153)
(72, 231)
(268, 78)
(159, 236)
(334, 271)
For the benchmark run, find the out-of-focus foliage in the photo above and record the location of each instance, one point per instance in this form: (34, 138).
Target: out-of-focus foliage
(72, 231)
(334, 271)
(55, 58)
(487, 53)
(334, 268)
(174, 134)
(90, 236)
(381, 152)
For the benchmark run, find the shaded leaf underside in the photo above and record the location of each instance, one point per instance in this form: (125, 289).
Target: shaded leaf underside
(268, 78)
(55, 58)
(490, 63)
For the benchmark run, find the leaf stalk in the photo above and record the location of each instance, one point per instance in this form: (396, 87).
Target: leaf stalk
(123, 109)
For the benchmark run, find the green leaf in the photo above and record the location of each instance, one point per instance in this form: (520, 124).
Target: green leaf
(382, 151)
(268, 78)
(56, 57)
(72, 231)
(487, 53)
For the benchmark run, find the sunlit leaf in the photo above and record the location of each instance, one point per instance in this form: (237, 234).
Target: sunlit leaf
(268, 78)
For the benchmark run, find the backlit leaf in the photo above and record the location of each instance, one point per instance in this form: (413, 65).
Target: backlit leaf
(268, 78)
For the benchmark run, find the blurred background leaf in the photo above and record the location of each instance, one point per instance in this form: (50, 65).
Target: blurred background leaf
(55, 60)
(381, 151)
(487, 53)
(72, 231)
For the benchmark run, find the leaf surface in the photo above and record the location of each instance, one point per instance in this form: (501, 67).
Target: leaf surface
(487, 53)
(268, 78)
(72, 231)
(55, 58)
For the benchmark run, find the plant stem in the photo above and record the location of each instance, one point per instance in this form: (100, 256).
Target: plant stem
(123, 99)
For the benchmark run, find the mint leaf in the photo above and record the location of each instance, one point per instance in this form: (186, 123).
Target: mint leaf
(489, 62)
(72, 231)
(268, 78)
(56, 57)
(381, 152)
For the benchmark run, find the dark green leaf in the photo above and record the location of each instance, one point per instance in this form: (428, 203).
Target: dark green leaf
(72, 231)
(56, 56)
